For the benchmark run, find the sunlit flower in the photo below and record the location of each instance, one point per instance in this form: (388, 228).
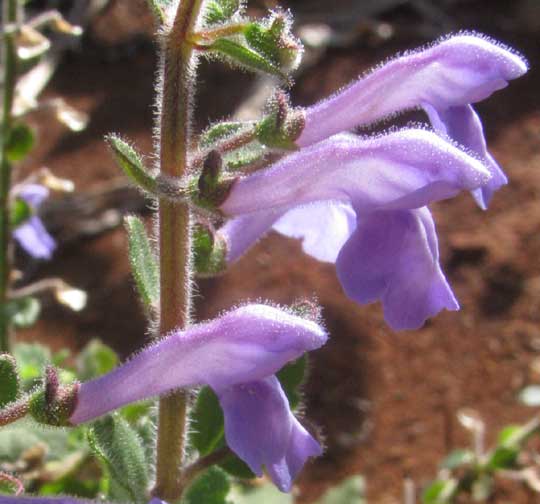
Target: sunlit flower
(237, 355)
(31, 233)
(376, 228)
(361, 202)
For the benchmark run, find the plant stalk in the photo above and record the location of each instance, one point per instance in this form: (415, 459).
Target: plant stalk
(9, 63)
(175, 237)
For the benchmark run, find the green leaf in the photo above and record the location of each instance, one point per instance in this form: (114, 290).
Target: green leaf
(23, 312)
(73, 486)
(131, 163)
(206, 422)
(144, 264)
(530, 396)
(9, 380)
(440, 492)
(119, 447)
(263, 41)
(245, 57)
(31, 359)
(458, 458)
(95, 359)
(515, 436)
(23, 435)
(508, 435)
(263, 494)
(146, 428)
(135, 411)
(237, 467)
(20, 212)
(220, 11)
(219, 132)
(59, 358)
(208, 433)
(212, 487)
(292, 377)
(349, 491)
(502, 458)
(20, 142)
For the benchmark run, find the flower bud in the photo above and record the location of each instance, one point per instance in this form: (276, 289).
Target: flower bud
(210, 251)
(212, 188)
(55, 403)
(211, 171)
(282, 125)
(274, 40)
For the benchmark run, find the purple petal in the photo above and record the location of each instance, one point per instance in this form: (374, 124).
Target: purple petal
(244, 345)
(261, 429)
(33, 194)
(323, 228)
(459, 70)
(34, 238)
(463, 125)
(244, 231)
(393, 256)
(405, 169)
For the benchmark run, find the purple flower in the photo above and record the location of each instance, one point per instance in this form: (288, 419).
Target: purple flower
(237, 355)
(376, 188)
(261, 407)
(31, 234)
(454, 72)
(361, 201)
(443, 79)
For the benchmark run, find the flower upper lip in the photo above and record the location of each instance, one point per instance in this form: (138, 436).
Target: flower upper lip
(354, 169)
(458, 70)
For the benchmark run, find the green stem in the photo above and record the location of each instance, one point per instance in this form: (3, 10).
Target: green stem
(9, 62)
(175, 237)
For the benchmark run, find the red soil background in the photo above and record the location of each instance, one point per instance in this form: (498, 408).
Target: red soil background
(386, 402)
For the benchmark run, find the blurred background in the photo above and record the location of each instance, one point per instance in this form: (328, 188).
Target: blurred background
(385, 402)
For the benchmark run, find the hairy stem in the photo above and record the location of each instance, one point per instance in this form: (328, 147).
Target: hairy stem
(175, 236)
(9, 63)
(13, 412)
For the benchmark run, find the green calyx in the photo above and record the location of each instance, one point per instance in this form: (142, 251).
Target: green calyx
(214, 194)
(274, 41)
(281, 128)
(210, 252)
(211, 188)
(55, 404)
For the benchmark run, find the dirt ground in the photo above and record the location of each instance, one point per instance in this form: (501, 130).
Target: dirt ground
(386, 402)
